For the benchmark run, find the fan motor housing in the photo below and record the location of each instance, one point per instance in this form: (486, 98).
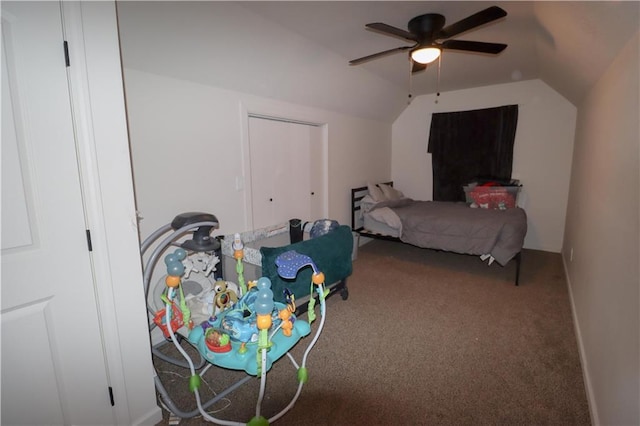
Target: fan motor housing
(426, 26)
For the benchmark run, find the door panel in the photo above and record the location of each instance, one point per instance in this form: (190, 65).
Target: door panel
(29, 322)
(316, 174)
(266, 170)
(294, 185)
(53, 365)
(14, 198)
(281, 179)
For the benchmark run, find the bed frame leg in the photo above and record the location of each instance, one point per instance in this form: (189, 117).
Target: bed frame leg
(518, 261)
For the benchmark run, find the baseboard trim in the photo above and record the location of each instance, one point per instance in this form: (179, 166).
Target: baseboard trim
(152, 418)
(593, 409)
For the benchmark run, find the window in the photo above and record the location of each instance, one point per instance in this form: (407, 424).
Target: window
(466, 145)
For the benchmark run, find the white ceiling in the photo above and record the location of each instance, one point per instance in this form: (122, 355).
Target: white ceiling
(580, 38)
(299, 51)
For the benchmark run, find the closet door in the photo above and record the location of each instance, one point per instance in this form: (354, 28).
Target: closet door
(316, 173)
(294, 184)
(281, 172)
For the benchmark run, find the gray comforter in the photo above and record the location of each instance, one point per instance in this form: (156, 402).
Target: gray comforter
(459, 228)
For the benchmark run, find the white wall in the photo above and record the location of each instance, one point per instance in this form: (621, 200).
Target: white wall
(188, 147)
(603, 232)
(542, 151)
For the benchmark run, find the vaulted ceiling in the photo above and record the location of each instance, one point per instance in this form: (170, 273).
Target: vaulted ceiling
(299, 51)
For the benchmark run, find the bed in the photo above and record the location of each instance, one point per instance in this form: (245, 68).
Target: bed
(382, 212)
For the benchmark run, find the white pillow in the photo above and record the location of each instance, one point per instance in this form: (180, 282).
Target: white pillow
(376, 193)
(390, 192)
(367, 203)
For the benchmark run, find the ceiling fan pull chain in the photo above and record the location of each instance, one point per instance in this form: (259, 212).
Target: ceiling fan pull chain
(438, 83)
(410, 81)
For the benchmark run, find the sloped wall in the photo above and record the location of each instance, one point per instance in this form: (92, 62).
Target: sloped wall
(224, 44)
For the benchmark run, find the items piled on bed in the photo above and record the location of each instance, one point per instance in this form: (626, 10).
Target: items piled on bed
(492, 193)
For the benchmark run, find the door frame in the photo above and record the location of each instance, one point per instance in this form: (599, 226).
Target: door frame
(102, 143)
(279, 114)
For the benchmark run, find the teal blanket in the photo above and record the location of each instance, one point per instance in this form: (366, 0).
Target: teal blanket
(331, 253)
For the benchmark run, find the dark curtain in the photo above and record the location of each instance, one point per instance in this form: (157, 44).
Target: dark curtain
(469, 144)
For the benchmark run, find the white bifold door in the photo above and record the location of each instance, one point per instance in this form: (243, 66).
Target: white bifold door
(287, 166)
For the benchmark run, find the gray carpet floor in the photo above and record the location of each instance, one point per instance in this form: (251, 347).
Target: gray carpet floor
(425, 338)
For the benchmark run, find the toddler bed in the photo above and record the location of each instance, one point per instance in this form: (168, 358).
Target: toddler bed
(382, 212)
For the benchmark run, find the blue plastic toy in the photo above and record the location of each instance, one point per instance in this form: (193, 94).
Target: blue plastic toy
(239, 323)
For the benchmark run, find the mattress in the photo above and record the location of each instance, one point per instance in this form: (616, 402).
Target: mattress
(373, 226)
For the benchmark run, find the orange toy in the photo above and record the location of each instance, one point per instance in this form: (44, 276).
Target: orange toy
(287, 325)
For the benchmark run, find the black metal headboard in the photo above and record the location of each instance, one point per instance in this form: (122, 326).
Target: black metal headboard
(357, 194)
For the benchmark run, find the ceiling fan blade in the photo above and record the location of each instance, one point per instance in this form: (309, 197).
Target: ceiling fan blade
(473, 46)
(417, 67)
(378, 55)
(483, 17)
(389, 30)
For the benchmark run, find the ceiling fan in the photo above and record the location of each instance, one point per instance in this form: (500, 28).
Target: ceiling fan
(431, 37)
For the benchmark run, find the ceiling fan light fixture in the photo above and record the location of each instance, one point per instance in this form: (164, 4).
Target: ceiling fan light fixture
(425, 55)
